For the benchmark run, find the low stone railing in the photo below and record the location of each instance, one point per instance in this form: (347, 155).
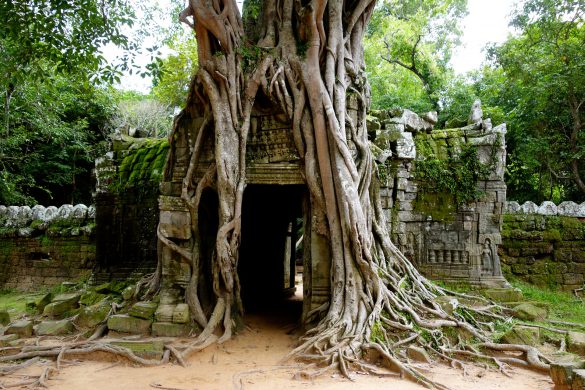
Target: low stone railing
(25, 221)
(566, 209)
(43, 246)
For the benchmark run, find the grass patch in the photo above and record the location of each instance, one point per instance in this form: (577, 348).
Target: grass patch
(14, 302)
(563, 306)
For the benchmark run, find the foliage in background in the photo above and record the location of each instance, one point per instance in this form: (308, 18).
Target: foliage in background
(140, 113)
(56, 126)
(408, 48)
(543, 97)
(177, 69)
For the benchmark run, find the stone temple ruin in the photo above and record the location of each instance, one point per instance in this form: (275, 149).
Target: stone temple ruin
(446, 241)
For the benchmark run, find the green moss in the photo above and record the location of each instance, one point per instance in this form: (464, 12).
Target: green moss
(441, 172)
(142, 166)
(440, 206)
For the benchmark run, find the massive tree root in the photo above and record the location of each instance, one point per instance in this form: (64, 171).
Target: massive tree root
(306, 58)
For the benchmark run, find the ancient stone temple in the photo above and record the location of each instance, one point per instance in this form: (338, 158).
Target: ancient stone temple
(446, 240)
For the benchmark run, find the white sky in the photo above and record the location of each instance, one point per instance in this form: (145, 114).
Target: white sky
(486, 22)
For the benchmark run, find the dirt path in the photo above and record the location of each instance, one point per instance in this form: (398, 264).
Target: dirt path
(252, 360)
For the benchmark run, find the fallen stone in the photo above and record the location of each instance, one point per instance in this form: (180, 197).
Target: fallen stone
(58, 309)
(143, 310)
(503, 294)
(7, 339)
(144, 349)
(164, 313)
(115, 286)
(181, 314)
(576, 343)
(529, 312)
(22, 328)
(418, 354)
(89, 298)
(127, 293)
(124, 323)
(67, 297)
(93, 315)
(522, 335)
(562, 373)
(41, 302)
(578, 379)
(168, 329)
(55, 328)
(4, 318)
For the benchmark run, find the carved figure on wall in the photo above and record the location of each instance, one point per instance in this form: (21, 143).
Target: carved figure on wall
(487, 257)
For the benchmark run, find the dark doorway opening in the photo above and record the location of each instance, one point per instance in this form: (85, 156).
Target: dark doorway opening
(271, 227)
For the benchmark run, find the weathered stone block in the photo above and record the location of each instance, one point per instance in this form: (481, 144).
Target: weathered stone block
(144, 349)
(126, 324)
(181, 314)
(143, 310)
(503, 294)
(578, 380)
(522, 335)
(54, 328)
(22, 328)
(175, 224)
(89, 298)
(7, 339)
(529, 312)
(562, 373)
(168, 329)
(91, 316)
(576, 343)
(58, 309)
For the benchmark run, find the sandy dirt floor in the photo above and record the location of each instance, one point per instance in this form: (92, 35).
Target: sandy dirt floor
(252, 360)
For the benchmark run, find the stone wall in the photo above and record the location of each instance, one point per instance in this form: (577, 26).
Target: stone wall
(545, 245)
(447, 236)
(44, 246)
(127, 207)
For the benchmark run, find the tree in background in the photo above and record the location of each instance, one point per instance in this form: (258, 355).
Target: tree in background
(53, 111)
(57, 124)
(543, 95)
(408, 48)
(176, 70)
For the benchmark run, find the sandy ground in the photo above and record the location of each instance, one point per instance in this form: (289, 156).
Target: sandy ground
(252, 360)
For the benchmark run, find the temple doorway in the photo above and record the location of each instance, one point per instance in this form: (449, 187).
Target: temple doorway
(271, 229)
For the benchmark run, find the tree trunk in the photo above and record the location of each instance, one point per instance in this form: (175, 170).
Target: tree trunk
(306, 58)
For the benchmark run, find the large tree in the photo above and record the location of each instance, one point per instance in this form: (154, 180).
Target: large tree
(306, 59)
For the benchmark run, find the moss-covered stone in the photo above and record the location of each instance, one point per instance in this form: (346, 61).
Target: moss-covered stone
(143, 310)
(576, 343)
(145, 349)
(91, 316)
(124, 323)
(503, 294)
(522, 335)
(529, 312)
(168, 329)
(89, 298)
(22, 328)
(54, 328)
(5, 340)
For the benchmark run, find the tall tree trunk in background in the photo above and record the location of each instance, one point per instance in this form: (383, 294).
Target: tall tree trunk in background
(306, 57)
